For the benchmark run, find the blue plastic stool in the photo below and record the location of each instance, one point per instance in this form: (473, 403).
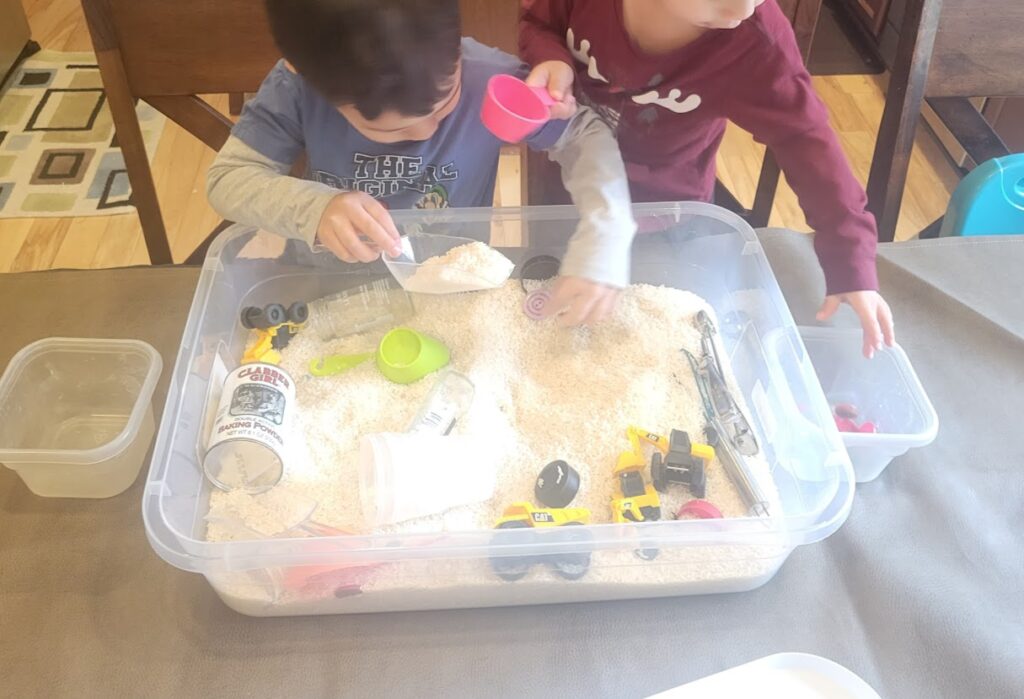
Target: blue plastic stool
(989, 201)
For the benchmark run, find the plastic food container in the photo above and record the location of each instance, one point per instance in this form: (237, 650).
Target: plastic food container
(700, 248)
(76, 415)
(781, 676)
(413, 271)
(885, 390)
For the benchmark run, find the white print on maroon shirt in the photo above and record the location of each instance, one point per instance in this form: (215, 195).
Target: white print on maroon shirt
(671, 101)
(582, 54)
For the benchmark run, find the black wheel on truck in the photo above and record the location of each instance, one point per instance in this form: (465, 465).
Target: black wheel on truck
(509, 568)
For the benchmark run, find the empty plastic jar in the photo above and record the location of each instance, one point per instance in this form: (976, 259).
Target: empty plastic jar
(76, 415)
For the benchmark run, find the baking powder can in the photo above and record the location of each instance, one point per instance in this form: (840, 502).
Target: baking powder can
(250, 431)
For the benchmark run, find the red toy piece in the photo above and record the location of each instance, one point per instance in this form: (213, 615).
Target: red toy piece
(698, 509)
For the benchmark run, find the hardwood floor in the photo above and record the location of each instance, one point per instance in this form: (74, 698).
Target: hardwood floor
(179, 169)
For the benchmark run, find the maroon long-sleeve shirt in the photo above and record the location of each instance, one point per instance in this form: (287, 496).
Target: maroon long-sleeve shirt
(669, 113)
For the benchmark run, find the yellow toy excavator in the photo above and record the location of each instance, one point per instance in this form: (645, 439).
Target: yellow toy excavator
(635, 499)
(678, 461)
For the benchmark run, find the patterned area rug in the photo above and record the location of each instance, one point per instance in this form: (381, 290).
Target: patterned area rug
(58, 150)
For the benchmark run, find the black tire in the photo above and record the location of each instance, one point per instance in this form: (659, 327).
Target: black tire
(298, 313)
(698, 482)
(659, 474)
(250, 317)
(274, 314)
(572, 566)
(510, 568)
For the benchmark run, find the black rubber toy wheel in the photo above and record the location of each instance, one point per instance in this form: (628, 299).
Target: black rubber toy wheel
(659, 474)
(298, 313)
(274, 314)
(572, 566)
(251, 317)
(509, 568)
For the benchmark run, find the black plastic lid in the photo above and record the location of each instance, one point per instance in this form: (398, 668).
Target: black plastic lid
(557, 484)
(539, 268)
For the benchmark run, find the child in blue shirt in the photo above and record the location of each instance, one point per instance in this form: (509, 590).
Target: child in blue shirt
(383, 97)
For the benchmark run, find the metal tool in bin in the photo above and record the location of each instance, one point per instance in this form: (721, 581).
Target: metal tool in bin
(728, 431)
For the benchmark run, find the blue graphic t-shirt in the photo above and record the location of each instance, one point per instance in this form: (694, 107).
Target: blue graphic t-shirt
(455, 167)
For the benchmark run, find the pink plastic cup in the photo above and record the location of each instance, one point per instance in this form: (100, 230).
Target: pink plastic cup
(512, 110)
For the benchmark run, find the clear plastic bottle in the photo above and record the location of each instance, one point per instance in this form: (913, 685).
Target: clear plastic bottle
(447, 401)
(382, 303)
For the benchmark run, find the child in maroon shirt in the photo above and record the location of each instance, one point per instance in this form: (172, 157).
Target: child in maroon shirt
(667, 74)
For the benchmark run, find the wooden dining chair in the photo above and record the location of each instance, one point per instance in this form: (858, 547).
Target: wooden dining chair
(168, 52)
(949, 51)
(543, 179)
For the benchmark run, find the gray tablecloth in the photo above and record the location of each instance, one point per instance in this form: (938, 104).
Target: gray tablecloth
(921, 592)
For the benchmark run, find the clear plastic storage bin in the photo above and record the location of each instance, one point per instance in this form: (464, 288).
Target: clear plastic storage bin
(885, 390)
(76, 415)
(695, 247)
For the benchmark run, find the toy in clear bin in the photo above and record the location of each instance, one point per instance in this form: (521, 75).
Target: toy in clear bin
(447, 401)
(378, 304)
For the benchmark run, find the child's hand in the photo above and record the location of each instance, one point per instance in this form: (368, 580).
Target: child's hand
(356, 227)
(874, 313)
(578, 301)
(558, 77)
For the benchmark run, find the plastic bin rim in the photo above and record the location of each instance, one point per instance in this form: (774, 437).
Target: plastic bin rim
(526, 213)
(917, 392)
(115, 446)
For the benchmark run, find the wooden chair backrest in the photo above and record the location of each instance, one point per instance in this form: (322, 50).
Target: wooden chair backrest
(168, 52)
(979, 50)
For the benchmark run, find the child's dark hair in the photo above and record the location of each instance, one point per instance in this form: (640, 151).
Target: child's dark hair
(376, 55)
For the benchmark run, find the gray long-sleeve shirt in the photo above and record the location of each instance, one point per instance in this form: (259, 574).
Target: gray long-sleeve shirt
(249, 182)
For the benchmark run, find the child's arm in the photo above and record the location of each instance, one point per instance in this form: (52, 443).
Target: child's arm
(778, 105)
(249, 183)
(542, 45)
(597, 263)
(247, 187)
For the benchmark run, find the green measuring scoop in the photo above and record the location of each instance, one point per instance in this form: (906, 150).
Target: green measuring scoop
(338, 363)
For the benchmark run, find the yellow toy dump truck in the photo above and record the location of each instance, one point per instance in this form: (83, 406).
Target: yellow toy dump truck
(523, 515)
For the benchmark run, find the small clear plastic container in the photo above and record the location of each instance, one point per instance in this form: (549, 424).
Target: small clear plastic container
(76, 415)
(699, 248)
(378, 304)
(885, 391)
(414, 271)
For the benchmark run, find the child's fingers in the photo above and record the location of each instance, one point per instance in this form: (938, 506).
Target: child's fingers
(369, 228)
(872, 330)
(603, 307)
(564, 109)
(578, 311)
(560, 79)
(349, 238)
(538, 77)
(383, 218)
(888, 327)
(828, 308)
(329, 239)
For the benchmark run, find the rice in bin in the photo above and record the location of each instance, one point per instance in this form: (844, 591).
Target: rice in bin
(543, 393)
